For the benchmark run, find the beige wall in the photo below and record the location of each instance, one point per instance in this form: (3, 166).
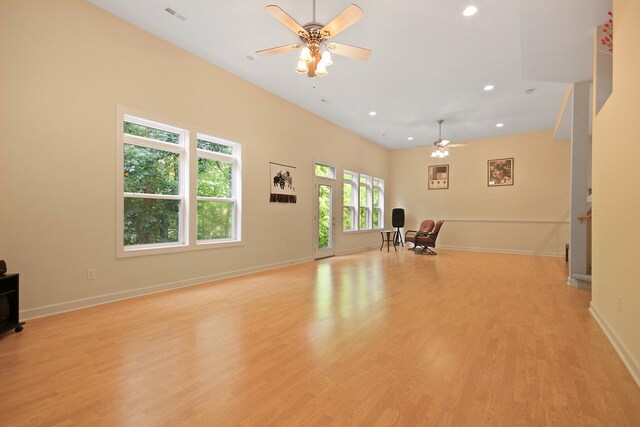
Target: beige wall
(64, 67)
(531, 216)
(616, 198)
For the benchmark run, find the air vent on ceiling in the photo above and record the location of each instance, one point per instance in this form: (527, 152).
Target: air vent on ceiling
(324, 100)
(251, 58)
(175, 13)
(529, 91)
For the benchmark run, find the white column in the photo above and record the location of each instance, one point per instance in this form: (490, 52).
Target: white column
(580, 167)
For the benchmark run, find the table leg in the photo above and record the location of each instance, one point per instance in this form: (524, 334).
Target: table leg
(382, 245)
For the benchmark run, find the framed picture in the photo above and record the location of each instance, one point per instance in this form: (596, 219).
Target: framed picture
(500, 172)
(438, 177)
(282, 182)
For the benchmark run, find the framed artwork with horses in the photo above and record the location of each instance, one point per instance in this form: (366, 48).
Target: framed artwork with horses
(282, 181)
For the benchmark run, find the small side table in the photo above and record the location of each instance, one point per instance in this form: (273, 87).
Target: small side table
(388, 236)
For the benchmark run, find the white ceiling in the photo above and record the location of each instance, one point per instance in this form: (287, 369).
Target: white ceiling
(429, 61)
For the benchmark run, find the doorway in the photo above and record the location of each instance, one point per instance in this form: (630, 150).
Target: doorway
(324, 215)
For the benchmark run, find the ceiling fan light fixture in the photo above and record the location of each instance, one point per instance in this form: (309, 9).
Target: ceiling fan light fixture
(444, 142)
(302, 67)
(305, 55)
(321, 70)
(326, 59)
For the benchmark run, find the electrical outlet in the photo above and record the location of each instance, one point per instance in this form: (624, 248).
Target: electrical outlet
(620, 304)
(91, 274)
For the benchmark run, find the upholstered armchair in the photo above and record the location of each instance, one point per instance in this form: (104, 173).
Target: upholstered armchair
(424, 241)
(425, 227)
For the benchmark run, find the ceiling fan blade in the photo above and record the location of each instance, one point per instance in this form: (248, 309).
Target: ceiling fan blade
(278, 49)
(350, 51)
(344, 20)
(282, 16)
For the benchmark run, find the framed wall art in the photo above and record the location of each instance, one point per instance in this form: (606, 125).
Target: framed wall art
(500, 172)
(282, 183)
(438, 177)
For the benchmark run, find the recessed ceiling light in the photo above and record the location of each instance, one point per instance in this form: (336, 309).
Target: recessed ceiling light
(488, 87)
(499, 125)
(470, 11)
(372, 113)
(410, 138)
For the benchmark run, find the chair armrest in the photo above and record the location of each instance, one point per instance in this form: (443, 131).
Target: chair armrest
(422, 233)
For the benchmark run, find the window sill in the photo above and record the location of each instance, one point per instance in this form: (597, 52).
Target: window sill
(137, 252)
(372, 230)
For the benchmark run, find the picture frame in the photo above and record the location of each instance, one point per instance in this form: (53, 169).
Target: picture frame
(282, 180)
(438, 177)
(500, 172)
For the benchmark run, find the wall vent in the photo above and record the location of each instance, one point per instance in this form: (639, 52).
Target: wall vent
(175, 13)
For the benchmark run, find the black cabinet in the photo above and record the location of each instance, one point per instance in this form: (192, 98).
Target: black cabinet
(10, 303)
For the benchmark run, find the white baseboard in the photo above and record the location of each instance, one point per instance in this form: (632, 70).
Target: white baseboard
(360, 249)
(627, 359)
(502, 251)
(48, 310)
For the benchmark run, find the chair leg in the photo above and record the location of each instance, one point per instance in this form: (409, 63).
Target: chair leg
(430, 251)
(424, 250)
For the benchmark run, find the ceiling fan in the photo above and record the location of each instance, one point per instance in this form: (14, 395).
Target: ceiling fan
(441, 146)
(315, 55)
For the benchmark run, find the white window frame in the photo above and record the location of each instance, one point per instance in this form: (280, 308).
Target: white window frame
(380, 207)
(332, 171)
(236, 188)
(368, 186)
(355, 185)
(188, 151)
(355, 198)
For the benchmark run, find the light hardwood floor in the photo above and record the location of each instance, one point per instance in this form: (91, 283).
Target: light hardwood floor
(373, 338)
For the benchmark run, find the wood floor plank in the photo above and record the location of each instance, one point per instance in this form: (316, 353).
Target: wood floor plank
(373, 338)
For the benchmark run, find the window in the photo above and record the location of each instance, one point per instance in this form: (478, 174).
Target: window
(325, 171)
(217, 188)
(179, 189)
(349, 200)
(363, 202)
(154, 178)
(378, 203)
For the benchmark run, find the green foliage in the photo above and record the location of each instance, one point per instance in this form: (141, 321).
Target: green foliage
(376, 217)
(346, 194)
(364, 213)
(214, 178)
(324, 220)
(152, 133)
(347, 218)
(363, 195)
(214, 147)
(323, 170)
(150, 171)
(150, 221)
(214, 220)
